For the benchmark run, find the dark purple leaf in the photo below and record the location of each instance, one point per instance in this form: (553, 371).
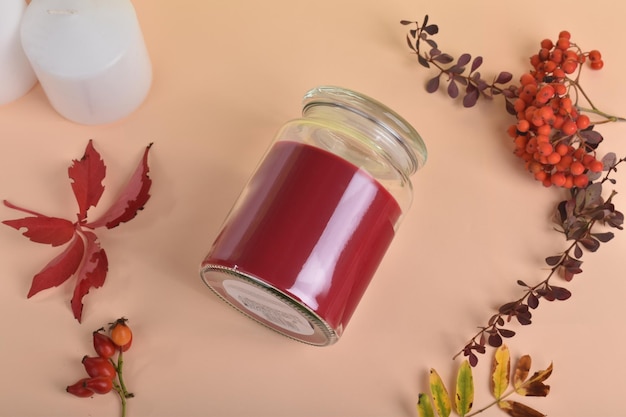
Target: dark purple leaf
(433, 84)
(453, 89)
(495, 340)
(590, 244)
(425, 22)
(423, 62)
(561, 293)
(524, 319)
(508, 307)
(592, 138)
(554, 260)
(609, 160)
(506, 333)
(431, 29)
(510, 109)
(471, 97)
(521, 283)
(434, 52)
(603, 237)
(533, 301)
(413, 33)
(476, 63)
(456, 69)
(431, 42)
(578, 252)
(406, 22)
(443, 58)
(504, 77)
(463, 60)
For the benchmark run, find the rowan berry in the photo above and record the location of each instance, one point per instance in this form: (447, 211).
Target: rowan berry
(569, 66)
(562, 149)
(581, 181)
(545, 93)
(583, 122)
(564, 163)
(554, 158)
(569, 127)
(596, 65)
(595, 55)
(577, 168)
(563, 43)
(526, 79)
(547, 43)
(558, 179)
(519, 105)
(596, 166)
(523, 125)
(565, 34)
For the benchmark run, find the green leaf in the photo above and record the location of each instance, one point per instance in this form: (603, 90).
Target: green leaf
(500, 371)
(515, 409)
(424, 406)
(464, 398)
(440, 394)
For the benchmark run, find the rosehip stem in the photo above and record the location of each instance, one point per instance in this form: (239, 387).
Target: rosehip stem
(120, 387)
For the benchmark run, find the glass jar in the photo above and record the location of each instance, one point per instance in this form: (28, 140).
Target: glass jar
(302, 242)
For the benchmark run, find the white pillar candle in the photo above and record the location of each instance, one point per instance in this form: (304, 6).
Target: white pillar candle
(89, 55)
(16, 75)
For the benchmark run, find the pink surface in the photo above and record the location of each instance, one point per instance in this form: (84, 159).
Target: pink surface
(227, 75)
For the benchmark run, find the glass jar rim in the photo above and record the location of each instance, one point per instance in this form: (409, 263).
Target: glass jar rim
(394, 124)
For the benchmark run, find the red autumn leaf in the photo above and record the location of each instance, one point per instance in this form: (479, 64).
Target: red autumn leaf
(42, 229)
(131, 200)
(60, 268)
(87, 175)
(91, 274)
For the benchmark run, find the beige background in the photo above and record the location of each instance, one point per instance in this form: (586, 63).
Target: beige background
(227, 75)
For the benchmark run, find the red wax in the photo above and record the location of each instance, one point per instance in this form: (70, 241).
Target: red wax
(312, 225)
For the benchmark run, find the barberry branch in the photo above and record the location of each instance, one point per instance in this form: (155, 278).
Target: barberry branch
(558, 145)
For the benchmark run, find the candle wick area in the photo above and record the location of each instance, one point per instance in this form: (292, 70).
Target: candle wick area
(62, 11)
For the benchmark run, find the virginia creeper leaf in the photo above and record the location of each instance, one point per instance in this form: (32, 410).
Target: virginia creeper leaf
(43, 229)
(424, 406)
(131, 200)
(500, 371)
(515, 409)
(522, 368)
(87, 175)
(57, 271)
(464, 398)
(440, 394)
(91, 274)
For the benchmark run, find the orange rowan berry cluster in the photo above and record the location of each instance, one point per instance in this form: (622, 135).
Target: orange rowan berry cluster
(550, 132)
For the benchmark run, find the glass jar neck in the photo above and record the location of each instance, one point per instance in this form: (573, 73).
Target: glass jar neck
(386, 131)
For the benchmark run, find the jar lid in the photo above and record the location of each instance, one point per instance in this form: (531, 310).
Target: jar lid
(395, 125)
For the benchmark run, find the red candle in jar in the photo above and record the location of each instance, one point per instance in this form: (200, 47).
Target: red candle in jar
(303, 241)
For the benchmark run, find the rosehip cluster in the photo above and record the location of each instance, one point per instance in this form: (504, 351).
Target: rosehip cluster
(104, 373)
(551, 135)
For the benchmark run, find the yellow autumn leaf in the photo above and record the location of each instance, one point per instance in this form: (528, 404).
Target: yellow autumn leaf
(500, 371)
(464, 398)
(440, 394)
(424, 406)
(521, 371)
